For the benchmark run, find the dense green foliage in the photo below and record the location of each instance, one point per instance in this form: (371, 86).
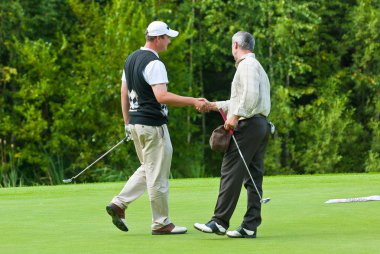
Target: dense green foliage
(61, 64)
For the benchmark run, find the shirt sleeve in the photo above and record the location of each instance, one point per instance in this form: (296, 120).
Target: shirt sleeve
(123, 78)
(155, 73)
(223, 105)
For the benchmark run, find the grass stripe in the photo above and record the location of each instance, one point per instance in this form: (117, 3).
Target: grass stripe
(72, 218)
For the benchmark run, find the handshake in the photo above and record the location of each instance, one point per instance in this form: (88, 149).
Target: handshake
(204, 106)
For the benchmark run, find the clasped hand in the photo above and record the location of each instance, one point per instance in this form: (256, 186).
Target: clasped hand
(203, 105)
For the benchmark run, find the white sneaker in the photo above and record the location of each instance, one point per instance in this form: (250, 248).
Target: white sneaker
(242, 233)
(210, 227)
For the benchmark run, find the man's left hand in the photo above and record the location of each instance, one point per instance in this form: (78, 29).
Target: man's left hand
(128, 132)
(231, 122)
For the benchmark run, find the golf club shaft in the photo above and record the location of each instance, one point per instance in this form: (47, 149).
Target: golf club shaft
(221, 111)
(99, 158)
(246, 166)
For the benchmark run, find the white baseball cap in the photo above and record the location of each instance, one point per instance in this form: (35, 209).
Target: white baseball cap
(157, 28)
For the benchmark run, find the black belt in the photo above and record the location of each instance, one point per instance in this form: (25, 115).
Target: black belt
(254, 116)
(259, 115)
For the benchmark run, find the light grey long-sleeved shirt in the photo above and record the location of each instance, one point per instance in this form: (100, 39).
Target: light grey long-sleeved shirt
(250, 90)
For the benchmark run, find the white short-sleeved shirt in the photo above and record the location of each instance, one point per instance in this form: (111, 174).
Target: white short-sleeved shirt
(154, 73)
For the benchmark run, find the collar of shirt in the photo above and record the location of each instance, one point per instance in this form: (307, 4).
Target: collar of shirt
(144, 48)
(244, 57)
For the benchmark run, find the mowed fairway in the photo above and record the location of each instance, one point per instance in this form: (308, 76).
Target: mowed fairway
(72, 218)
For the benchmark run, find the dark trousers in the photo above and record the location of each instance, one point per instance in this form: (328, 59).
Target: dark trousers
(252, 137)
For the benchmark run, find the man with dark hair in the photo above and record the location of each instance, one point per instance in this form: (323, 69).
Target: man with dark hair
(144, 96)
(247, 110)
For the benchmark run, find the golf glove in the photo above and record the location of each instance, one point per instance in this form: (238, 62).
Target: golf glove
(128, 132)
(272, 128)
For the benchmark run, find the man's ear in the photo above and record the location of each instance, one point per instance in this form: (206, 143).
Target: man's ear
(235, 45)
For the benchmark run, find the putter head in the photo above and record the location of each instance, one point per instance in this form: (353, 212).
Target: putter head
(265, 200)
(67, 180)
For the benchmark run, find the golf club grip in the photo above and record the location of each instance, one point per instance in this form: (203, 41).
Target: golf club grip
(225, 119)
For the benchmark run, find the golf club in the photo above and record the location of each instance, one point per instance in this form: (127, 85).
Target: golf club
(73, 178)
(265, 200)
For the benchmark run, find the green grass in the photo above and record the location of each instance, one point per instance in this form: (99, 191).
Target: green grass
(72, 218)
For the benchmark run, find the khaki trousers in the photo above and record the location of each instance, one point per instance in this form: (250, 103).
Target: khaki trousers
(154, 150)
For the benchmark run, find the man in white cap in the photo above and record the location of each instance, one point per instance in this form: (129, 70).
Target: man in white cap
(144, 96)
